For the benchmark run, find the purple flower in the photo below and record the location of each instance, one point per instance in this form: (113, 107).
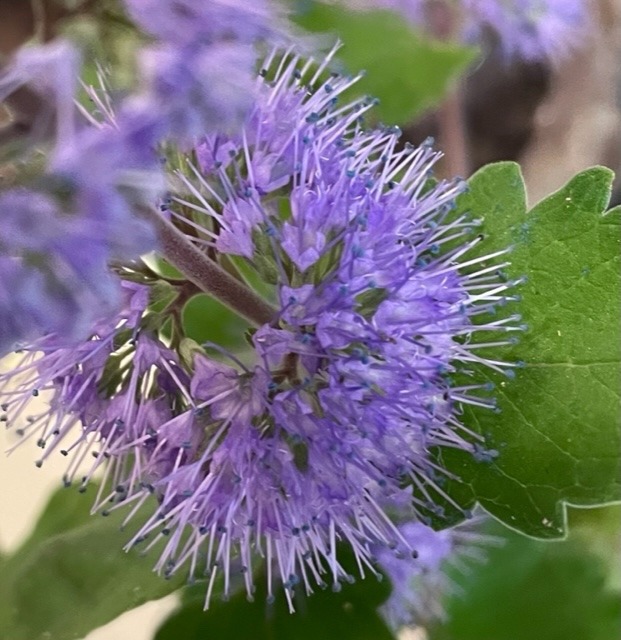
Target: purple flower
(59, 237)
(110, 171)
(53, 268)
(56, 246)
(349, 389)
(309, 443)
(94, 409)
(28, 307)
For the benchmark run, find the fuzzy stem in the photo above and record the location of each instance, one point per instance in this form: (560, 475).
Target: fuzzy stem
(207, 275)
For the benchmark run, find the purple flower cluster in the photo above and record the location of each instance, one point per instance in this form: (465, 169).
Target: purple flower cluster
(531, 30)
(51, 72)
(308, 441)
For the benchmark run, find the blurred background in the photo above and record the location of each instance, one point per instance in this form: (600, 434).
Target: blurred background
(555, 120)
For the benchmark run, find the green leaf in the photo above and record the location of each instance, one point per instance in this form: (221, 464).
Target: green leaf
(349, 614)
(72, 575)
(558, 430)
(207, 320)
(533, 589)
(406, 71)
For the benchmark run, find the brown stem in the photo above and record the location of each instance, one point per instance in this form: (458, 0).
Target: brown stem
(185, 292)
(207, 275)
(452, 134)
(444, 19)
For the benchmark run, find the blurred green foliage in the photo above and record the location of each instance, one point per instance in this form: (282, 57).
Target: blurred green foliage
(347, 614)
(534, 590)
(407, 71)
(71, 575)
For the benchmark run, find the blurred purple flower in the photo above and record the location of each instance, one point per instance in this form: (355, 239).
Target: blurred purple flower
(200, 76)
(109, 170)
(531, 30)
(79, 214)
(198, 89)
(182, 22)
(54, 267)
(418, 572)
(29, 306)
(414, 572)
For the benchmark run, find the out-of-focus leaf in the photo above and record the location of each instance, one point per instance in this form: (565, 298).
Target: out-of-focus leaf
(531, 589)
(350, 614)
(71, 575)
(406, 71)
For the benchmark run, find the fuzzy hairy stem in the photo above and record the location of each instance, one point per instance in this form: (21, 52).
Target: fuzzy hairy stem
(207, 275)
